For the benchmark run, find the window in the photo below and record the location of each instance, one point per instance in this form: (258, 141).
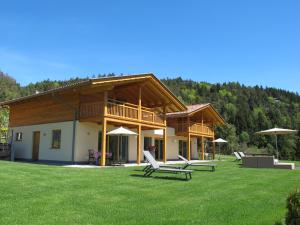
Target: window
(56, 139)
(19, 136)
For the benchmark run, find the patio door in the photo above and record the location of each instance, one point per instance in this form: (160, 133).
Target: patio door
(159, 144)
(116, 148)
(183, 148)
(35, 145)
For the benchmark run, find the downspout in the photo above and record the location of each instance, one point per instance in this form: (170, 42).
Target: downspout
(74, 135)
(75, 113)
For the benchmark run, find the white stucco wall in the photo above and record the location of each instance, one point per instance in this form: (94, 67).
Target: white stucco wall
(23, 149)
(86, 138)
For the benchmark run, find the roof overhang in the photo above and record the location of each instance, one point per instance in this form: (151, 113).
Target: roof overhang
(218, 119)
(110, 81)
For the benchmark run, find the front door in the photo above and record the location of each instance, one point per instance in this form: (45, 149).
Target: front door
(35, 145)
(159, 146)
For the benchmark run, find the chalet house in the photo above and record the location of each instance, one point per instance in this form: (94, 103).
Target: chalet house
(64, 123)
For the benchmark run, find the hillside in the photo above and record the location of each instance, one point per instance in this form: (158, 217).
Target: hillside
(245, 109)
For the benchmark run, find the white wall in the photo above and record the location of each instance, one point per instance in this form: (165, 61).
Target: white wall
(86, 138)
(23, 149)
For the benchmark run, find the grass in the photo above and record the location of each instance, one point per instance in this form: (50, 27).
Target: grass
(41, 194)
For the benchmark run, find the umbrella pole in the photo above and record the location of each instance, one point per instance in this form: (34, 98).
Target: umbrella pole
(277, 153)
(219, 151)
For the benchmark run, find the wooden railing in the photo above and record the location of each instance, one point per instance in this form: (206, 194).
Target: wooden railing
(196, 128)
(199, 128)
(91, 109)
(151, 116)
(121, 110)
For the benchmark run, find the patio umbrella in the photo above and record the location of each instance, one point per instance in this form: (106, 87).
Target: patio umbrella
(219, 140)
(277, 131)
(121, 131)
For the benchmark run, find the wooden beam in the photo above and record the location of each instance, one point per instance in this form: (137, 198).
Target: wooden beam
(139, 145)
(189, 146)
(165, 145)
(105, 103)
(103, 144)
(202, 147)
(140, 104)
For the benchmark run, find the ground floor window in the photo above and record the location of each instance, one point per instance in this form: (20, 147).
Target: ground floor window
(183, 148)
(56, 139)
(19, 136)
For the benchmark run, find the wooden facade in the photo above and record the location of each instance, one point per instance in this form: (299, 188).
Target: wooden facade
(139, 101)
(197, 121)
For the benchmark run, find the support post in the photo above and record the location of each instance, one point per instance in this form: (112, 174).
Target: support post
(189, 147)
(202, 148)
(104, 127)
(165, 114)
(140, 104)
(138, 146)
(165, 145)
(103, 144)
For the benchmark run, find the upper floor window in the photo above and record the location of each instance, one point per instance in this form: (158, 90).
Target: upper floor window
(56, 139)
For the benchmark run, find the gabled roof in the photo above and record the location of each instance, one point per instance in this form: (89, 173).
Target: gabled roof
(193, 109)
(105, 81)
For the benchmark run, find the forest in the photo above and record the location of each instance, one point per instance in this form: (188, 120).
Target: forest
(246, 110)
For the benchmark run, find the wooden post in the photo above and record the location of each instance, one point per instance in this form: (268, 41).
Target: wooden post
(189, 147)
(104, 126)
(165, 145)
(138, 146)
(165, 114)
(105, 103)
(214, 144)
(214, 148)
(103, 144)
(140, 104)
(202, 147)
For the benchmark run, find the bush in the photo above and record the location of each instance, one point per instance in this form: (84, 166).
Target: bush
(293, 205)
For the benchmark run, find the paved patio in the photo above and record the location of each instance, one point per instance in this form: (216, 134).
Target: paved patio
(134, 164)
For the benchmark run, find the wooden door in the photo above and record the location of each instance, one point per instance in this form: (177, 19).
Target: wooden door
(35, 145)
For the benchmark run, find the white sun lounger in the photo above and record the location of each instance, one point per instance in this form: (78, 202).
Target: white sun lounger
(189, 163)
(237, 156)
(156, 168)
(242, 154)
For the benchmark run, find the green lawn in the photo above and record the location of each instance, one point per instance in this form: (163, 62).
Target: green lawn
(40, 194)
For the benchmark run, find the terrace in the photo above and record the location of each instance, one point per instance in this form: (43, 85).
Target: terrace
(121, 110)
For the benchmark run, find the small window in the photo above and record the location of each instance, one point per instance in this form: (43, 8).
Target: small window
(56, 139)
(19, 136)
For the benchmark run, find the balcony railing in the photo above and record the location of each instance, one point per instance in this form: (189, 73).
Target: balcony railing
(196, 128)
(121, 110)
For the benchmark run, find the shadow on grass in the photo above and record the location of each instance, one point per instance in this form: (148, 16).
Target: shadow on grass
(162, 178)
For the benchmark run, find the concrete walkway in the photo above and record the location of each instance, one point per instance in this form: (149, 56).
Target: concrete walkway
(134, 164)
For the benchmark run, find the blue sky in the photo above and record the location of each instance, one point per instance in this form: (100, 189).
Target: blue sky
(251, 41)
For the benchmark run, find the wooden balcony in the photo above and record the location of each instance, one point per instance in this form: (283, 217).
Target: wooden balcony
(122, 111)
(182, 129)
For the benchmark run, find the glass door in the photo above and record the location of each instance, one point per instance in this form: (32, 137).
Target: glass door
(159, 145)
(116, 148)
(183, 148)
